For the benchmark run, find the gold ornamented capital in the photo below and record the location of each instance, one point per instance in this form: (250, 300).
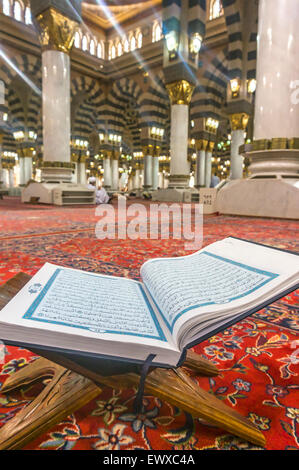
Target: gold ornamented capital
(25, 152)
(148, 150)
(56, 31)
(115, 155)
(239, 121)
(201, 144)
(210, 146)
(180, 92)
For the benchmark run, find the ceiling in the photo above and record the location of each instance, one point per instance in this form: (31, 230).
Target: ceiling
(106, 13)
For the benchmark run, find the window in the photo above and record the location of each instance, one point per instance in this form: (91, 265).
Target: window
(157, 32)
(84, 43)
(113, 51)
(92, 47)
(139, 39)
(99, 51)
(17, 12)
(6, 7)
(126, 45)
(132, 43)
(216, 9)
(28, 19)
(77, 39)
(119, 48)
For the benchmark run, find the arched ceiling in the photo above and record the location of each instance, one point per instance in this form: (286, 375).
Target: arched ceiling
(106, 13)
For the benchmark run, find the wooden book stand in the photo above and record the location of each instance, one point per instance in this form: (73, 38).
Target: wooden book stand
(73, 386)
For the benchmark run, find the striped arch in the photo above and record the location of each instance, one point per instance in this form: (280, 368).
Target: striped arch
(209, 96)
(87, 98)
(122, 112)
(233, 19)
(155, 106)
(27, 67)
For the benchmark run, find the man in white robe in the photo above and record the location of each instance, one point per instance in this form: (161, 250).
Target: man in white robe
(101, 193)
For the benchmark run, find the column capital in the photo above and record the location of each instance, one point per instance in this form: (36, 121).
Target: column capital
(201, 144)
(210, 146)
(148, 150)
(56, 31)
(180, 91)
(157, 151)
(25, 152)
(115, 154)
(239, 121)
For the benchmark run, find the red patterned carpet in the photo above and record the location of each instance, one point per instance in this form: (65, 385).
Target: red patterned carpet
(257, 357)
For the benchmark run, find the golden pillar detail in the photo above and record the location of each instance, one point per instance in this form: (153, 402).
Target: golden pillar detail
(180, 92)
(115, 154)
(210, 146)
(148, 150)
(239, 121)
(25, 152)
(56, 31)
(201, 144)
(157, 151)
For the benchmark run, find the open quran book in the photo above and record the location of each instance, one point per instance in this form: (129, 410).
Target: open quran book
(179, 303)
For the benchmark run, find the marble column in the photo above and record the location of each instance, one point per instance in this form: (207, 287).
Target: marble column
(276, 121)
(155, 172)
(107, 171)
(56, 36)
(25, 162)
(180, 93)
(239, 123)
(208, 164)
(200, 164)
(81, 171)
(148, 167)
(136, 181)
(114, 173)
(11, 179)
(276, 106)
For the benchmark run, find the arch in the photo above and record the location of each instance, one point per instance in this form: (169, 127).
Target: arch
(126, 45)
(18, 10)
(155, 106)
(100, 50)
(87, 100)
(77, 40)
(28, 17)
(122, 112)
(139, 38)
(156, 31)
(26, 66)
(6, 7)
(85, 43)
(119, 48)
(210, 93)
(92, 47)
(216, 9)
(132, 42)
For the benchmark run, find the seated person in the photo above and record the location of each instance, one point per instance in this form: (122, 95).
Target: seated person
(101, 193)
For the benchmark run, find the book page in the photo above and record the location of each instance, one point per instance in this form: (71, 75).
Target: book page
(215, 279)
(88, 302)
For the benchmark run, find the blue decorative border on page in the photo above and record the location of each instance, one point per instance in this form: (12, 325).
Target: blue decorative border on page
(41, 295)
(269, 274)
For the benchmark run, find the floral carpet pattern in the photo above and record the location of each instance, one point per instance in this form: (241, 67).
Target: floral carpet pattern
(258, 357)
